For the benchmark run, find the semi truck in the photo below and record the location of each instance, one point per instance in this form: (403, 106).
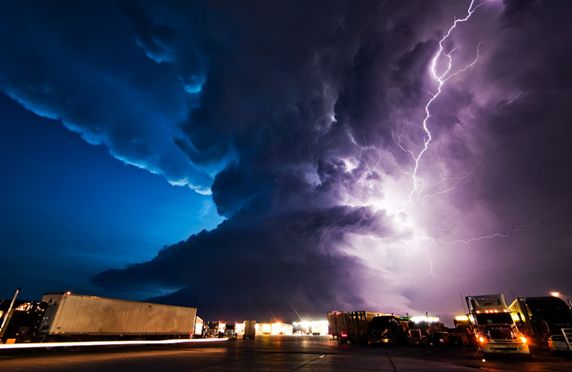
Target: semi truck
(494, 327)
(70, 316)
(249, 329)
(365, 327)
(22, 322)
(426, 330)
(337, 326)
(230, 330)
(545, 320)
(388, 330)
(214, 329)
(462, 333)
(75, 317)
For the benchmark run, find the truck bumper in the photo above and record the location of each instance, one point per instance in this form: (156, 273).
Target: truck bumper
(492, 347)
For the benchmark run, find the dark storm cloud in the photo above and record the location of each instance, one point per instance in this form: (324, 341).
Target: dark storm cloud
(253, 266)
(529, 123)
(526, 156)
(270, 93)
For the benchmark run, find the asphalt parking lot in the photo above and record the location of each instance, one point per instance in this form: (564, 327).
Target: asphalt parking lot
(273, 353)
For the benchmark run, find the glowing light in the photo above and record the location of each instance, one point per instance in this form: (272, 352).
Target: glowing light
(462, 318)
(555, 294)
(424, 319)
(274, 329)
(40, 345)
(523, 339)
(482, 340)
(312, 327)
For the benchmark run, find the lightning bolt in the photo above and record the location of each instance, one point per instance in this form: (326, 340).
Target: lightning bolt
(508, 234)
(453, 185)
(440, 78)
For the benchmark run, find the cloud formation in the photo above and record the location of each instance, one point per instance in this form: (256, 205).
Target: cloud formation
(81, 64)
(277, 265)
(299, 117)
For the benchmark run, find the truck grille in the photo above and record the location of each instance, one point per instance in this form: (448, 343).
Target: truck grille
(567, 333)
(500, 334)
(505, 348)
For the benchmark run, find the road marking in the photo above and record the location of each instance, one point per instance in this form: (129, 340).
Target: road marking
(308, 362)
(391, 362)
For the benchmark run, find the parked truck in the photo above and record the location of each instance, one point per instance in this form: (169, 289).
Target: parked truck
(81, 317)
(494, 327)
(426, 330)
(388, 330)
(337, 326)
(249, 329)
(230, 330)
(22, 322)
(462, 332)
(545, 320)
(365, 327)
(214, 329)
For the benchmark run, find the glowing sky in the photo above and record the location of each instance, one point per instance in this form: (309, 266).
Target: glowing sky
(374, 154)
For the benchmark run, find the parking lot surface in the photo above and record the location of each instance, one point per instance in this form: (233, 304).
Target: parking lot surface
(273, 353)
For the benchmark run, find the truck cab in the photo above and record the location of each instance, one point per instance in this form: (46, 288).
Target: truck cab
(493, 326)
(546, 320)
(386, 330)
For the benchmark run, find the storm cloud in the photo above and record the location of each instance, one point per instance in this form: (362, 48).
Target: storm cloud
(301, 119)
(276, 265)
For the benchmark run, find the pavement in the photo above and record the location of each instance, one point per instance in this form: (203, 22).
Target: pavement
(271, 353)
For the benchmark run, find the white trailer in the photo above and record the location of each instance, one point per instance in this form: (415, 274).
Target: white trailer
(75, 316)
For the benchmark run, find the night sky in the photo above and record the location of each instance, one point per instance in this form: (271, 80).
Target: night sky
(285, 158)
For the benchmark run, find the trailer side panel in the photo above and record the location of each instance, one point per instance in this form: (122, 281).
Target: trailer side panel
(91, 315)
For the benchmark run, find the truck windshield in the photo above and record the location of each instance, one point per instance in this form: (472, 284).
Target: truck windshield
(381, 322)
(495, 318)
(552, 310)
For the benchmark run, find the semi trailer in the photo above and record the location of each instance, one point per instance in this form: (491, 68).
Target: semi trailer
(74, 317)
(84, 317)
(546, 320)
(366, 327)
(493, 326)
